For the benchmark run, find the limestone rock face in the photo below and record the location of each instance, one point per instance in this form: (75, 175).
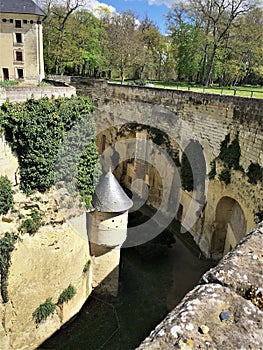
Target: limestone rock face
(218, 314)
(42, 267)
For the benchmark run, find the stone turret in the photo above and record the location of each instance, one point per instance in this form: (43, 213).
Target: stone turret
(107, 230)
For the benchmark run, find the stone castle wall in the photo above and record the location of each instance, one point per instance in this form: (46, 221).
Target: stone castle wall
(22, 93)
(183, 116)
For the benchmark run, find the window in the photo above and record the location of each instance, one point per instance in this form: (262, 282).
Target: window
(18, 23)
(11, 20)
(4, 20)
(20, 73)
(19, 38)
(31, 22)
(5, 73)
(19, 56)
(24, 21)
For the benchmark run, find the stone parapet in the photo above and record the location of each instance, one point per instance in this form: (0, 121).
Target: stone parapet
(22, 93)
(225, 310)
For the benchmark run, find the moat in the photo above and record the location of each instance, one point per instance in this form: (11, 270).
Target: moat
(154, 277)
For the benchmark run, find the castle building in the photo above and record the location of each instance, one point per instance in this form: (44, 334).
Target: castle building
(107, 231)
(21, 41)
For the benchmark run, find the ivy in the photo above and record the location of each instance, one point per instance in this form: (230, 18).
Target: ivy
(230, 153)
(254, 173)
(6, 195)
(225, 176)
(36, 130)
(7, 245)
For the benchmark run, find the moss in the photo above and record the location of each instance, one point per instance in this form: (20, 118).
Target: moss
(212, 173)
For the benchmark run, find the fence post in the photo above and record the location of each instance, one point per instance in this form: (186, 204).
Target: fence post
(251, 94)
(235, 92)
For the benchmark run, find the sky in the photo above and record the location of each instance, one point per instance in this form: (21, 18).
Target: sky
(154, 9)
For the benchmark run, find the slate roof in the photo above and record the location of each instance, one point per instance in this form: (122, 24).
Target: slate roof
(20, 6)
(109, 195)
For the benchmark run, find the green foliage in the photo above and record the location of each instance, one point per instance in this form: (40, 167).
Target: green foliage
(86, 266)
(7, 245)
(67, 294)
(230, 152)
(6, 195)
(254, 173)
(212, 172)
(8, 83)
(88, 172)
(36, 130)
(32, 223)
(187, 174)
(225, 176)
(44, 310)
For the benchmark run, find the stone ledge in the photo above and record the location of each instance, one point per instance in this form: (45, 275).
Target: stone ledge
(215, 315)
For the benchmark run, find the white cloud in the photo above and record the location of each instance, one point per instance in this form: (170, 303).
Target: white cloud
(168, 3)
(93, 5)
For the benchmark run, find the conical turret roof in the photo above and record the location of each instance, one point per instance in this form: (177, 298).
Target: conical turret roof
(109, 195)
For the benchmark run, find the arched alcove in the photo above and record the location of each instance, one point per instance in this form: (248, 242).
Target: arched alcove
(229, 228)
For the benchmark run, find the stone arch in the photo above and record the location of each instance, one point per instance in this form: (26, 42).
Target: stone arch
(229, 227)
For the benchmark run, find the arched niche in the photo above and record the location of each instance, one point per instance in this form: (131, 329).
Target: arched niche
(229, 227)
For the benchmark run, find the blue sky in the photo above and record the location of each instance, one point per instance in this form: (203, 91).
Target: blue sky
(154, 9)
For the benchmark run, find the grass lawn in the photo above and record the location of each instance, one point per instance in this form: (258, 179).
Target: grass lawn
(243, 91)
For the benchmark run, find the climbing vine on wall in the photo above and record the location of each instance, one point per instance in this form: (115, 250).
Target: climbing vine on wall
(230, 152)
(7, 245)
(6, 195)
(36, 130)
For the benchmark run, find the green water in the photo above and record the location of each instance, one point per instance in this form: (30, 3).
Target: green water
(154, 278)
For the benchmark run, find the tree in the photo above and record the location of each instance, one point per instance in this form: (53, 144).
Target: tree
(124, 43)
(216, 19)
(55, 28)
(154, 50)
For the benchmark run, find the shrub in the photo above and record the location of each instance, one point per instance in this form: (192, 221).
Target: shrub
(230, 152)
(31, 224)
(67, 294)
(44, 310)
(6, 195)
(225, 176)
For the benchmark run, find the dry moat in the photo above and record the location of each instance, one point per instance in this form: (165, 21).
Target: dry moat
(154, 278)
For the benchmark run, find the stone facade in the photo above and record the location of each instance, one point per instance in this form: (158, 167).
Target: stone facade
(21, 44)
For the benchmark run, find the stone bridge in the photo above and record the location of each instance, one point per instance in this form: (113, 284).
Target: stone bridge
(143, 133)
